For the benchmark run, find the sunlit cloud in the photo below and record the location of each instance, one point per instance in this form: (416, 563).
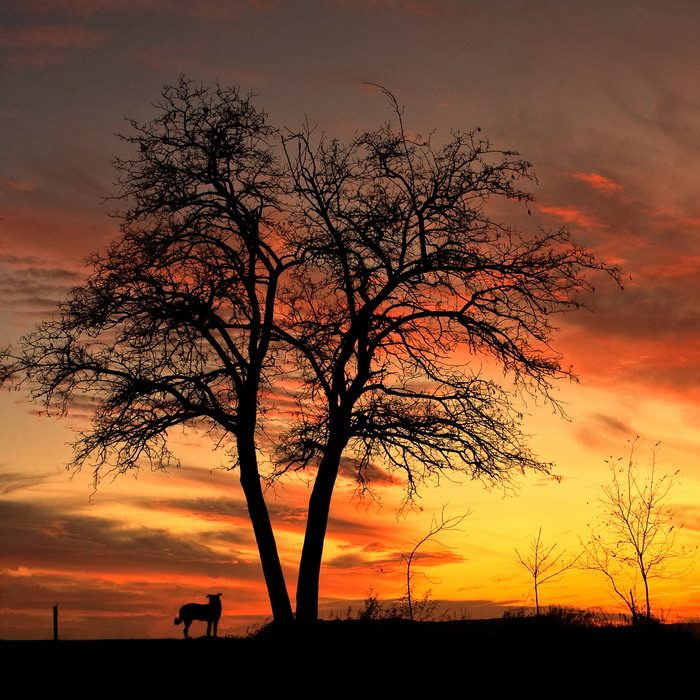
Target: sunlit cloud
(681, 266)
(42, 537)
(599, 182)
(350, 561)
(597, 431)
(371, 548)
(218, 510)
(568, 214)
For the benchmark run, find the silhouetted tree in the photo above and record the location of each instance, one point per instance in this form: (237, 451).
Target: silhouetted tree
(437, 526)
(545, 565)
(371, 274)
(406, 281)
(635, 538)
(174, 325)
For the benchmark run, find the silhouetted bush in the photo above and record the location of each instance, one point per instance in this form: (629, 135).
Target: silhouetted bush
(567, 615)
(424, 610)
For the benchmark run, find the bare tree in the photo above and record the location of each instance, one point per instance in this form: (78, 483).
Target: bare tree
(174, 325)
(372, 274)
(634, 540)
(437, 526)
(545, 565)
(406, 281)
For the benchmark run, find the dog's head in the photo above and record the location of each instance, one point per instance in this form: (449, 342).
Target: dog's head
(214, 597)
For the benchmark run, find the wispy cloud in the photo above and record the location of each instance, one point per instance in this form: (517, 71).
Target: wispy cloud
(599, 182)
(569, 215)
(13, 481)
(48, 44)
(38, 536)
(31, 286)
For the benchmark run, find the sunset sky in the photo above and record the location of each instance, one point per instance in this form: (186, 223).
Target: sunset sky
(602, 97)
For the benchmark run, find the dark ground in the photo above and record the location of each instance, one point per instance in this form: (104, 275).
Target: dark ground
(540, 657)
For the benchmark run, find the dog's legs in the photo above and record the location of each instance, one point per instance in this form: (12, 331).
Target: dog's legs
(209, 629)
(187, 627)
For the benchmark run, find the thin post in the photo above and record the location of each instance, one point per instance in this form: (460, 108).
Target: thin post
(55, 622)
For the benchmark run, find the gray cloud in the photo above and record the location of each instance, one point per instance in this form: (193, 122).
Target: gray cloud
(372, 474)
(39, 536)
(614, 425)
(32, 287)
(349, 561)
(12, 481)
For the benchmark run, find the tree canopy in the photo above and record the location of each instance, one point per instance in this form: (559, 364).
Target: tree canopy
(373, 274)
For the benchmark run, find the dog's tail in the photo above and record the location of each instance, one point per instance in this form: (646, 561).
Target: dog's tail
(177, 621)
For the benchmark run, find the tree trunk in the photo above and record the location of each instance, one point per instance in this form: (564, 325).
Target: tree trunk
(316, 525)
(264, 536)
(633, 609)
(646, 595)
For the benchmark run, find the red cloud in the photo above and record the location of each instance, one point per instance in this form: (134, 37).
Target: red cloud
(570, 215)
(600, 182)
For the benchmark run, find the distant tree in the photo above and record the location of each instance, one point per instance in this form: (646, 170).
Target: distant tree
(545, 564)
(634, 540)
(369, 275)
(437, 526)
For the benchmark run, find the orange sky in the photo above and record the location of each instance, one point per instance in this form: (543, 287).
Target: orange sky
(603, 100)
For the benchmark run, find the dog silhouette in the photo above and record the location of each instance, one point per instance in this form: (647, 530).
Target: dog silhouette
(209, 613)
